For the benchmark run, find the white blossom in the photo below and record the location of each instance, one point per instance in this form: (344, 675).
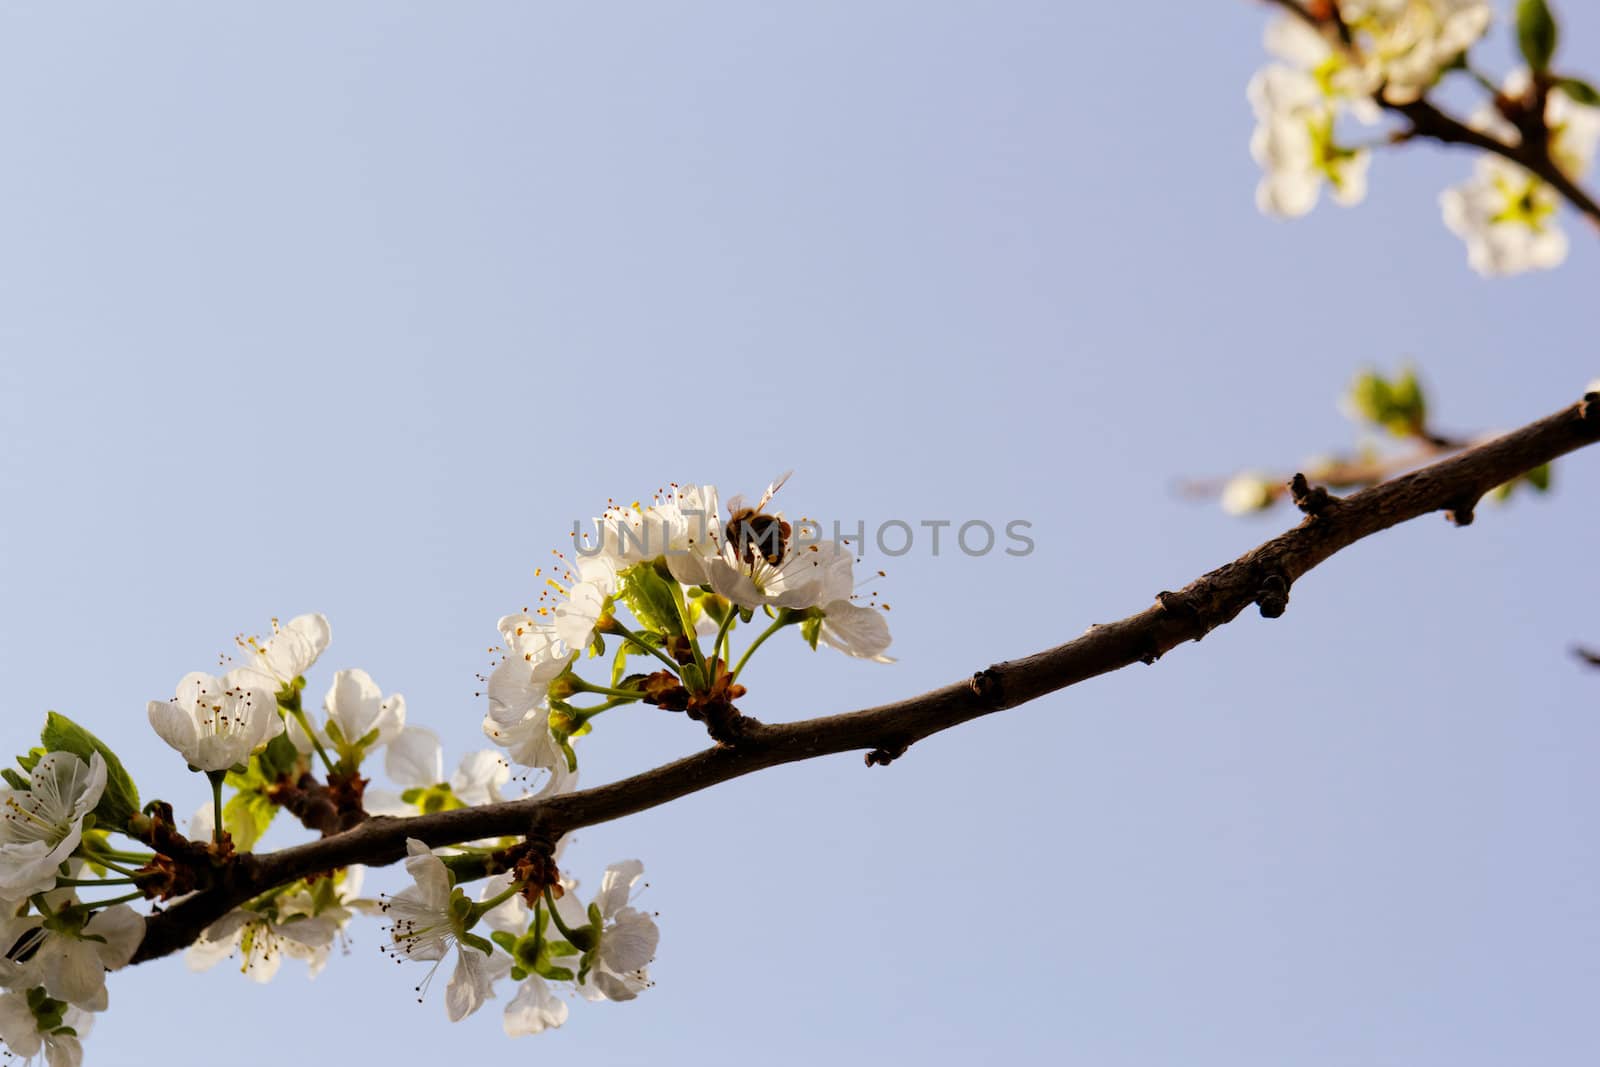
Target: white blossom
(618, 968)
(1335, 75)
(1247, 492)
(288, 654)
(697, 538)
(534, 1009)
(41, 826)
(301, 923)
(808, 574)
(425, 926)
(856, 630)
(354, 710)
(1506, 216)
(1294, 143)
(56, 1029)
(216, 723)
(1406, 44)
(414, 761)
(69, 957)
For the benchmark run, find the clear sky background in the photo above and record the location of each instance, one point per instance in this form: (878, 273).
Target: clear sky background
(355, 307)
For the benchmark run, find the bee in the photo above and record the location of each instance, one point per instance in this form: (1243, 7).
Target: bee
(756, 535)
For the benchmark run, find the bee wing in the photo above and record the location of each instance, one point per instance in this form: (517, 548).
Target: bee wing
(735, 504)
(777, 483)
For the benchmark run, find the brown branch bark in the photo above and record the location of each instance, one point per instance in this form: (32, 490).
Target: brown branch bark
(1427, 120)
(1262, 576)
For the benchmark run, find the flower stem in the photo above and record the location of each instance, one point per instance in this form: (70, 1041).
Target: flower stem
(483, 907)
(617, 627)
(688, 628)
(589, 687)
(777, 624)
(719, 645)
(119, 868)
(1481, 78)
(305, 724)
(588, 713)
(555, 916)
(216, 804)
(94, 881)
(103, 859)
(115, 900)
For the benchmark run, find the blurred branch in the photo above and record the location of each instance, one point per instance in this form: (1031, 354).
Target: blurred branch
(1428, 120)
(1343, 473)
(1588, 655)
(1262, 576)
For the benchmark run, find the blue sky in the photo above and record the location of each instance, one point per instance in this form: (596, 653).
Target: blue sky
(354, 308)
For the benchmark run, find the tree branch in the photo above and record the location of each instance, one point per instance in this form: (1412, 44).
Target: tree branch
(1262, 576)
(1428, 121)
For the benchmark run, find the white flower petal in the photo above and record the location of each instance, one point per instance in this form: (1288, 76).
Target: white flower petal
(415, 758)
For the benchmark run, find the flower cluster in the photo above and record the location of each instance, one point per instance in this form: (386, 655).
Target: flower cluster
(603, 951)
(1505, 213)
(686, 572)
(668, 584)
(1389, 51)
(1298, 100)
(1360, 58)
(58, 948)
(301, 921)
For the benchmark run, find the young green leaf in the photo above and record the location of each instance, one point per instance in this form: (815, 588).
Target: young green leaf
(246, 817)
(1536, 34)
(1580, 90)
(121, 797)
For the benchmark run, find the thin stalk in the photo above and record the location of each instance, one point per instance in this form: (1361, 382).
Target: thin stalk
(777, 624)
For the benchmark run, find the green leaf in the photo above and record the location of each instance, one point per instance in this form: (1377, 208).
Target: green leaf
(811, 629)
(279, 758)
(1400, 406)
(1579, 90)
(1368, 398)
(335, 734)
(15, 780)
(1537, 479)
(476, 941)
(246, 817)
(1536, 34)
(651, 598)
(554, 973)
(121, 798)
(619, 663)
(693, 677)
(1408, 412)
